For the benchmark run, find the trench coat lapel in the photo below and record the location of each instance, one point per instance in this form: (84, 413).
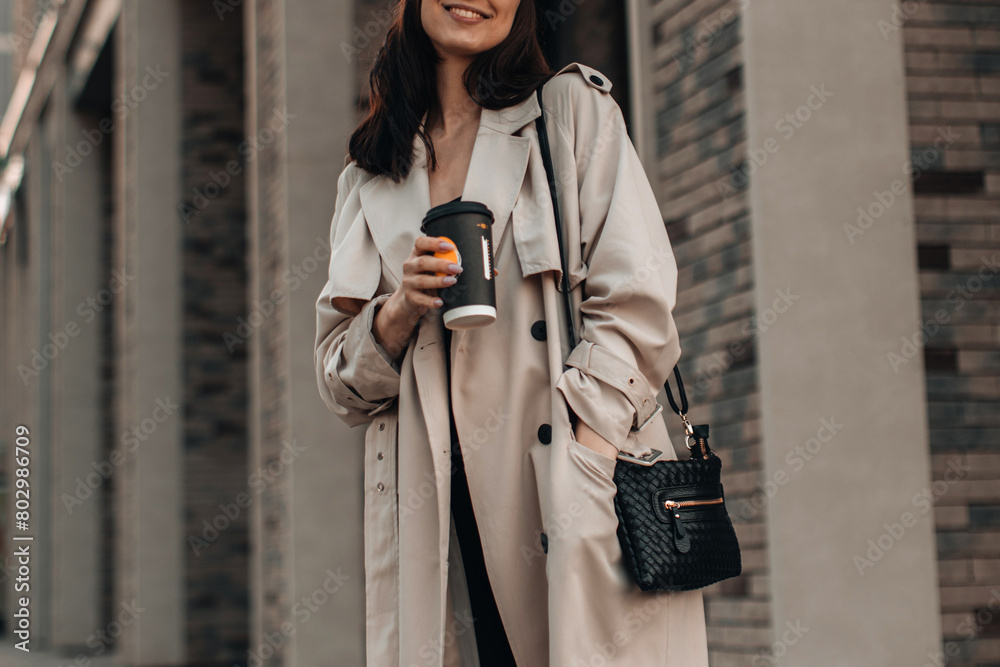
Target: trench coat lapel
(393, 212)
(499, 161)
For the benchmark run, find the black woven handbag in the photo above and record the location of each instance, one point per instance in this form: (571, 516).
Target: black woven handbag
(674, 530)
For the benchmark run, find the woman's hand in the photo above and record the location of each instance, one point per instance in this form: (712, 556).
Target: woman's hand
(590, 438)
(397, 318)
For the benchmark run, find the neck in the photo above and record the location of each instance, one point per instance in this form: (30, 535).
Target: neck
(456, 110)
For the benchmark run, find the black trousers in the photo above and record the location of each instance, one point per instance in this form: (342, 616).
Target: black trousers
(491, 638)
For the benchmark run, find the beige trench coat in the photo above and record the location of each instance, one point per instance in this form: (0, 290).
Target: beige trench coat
(565, 597)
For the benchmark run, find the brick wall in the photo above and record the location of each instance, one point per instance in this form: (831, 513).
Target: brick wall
(952, 54)
(701, 138)
(215, 369)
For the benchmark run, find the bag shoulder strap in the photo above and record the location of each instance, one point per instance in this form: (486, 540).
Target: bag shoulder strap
(543, 140)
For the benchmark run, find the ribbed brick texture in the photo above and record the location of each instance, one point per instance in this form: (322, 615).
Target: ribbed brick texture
(701, 141)
(215, 368)
(952, 54)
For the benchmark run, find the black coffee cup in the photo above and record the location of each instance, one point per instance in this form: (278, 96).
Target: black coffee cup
(467, 225)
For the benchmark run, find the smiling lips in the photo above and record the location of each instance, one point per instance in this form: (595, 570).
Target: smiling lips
(466, 12)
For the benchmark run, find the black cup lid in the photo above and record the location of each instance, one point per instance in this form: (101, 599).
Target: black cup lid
(453, 207)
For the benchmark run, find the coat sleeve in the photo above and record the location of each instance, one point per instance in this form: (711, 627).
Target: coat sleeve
(628, 340)
(357, 378)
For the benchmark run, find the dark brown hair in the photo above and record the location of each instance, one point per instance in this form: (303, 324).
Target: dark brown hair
(403, 82)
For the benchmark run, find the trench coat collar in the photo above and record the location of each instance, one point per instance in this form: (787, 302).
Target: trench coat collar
(497, 168)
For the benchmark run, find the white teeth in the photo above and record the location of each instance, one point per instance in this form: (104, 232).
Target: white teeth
(465, 13)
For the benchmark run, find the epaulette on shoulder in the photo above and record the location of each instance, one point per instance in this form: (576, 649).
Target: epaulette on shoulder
(590, 75)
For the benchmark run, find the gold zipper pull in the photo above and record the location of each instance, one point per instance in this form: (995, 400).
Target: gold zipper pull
(681, 540)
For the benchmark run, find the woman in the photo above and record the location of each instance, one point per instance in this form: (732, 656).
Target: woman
(489, 518)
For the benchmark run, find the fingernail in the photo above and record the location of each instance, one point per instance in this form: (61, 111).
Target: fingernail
(450, 280)
(446, 246)
(454, 268)
(438, 302)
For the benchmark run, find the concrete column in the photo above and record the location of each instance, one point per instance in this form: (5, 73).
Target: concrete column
(149, 486)
(640, 67)
(34, 404)
(320, 94)
(845, 435)
(77, 218)
(298, 67)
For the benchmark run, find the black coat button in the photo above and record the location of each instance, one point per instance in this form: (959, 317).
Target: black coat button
(545, 543)
(545, 434)
(597, 80)
(538, 330)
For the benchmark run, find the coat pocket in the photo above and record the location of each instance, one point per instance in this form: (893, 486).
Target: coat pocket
(593, 459)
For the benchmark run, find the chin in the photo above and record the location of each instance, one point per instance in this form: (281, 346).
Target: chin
(455, 39)
(461, 49)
